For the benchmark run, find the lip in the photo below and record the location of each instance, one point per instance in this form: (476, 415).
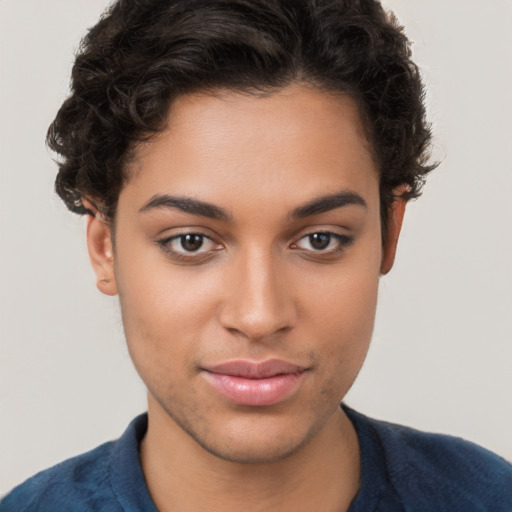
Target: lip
(255, 383)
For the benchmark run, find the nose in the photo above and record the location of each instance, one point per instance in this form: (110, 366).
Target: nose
(259, 301)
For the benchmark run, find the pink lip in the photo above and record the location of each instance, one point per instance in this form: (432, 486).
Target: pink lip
(253, 383)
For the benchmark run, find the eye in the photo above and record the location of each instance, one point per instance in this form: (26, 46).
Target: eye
(323, 242)
(188, 245)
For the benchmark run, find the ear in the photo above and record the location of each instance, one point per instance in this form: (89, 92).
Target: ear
(101, 253)
(395, 219)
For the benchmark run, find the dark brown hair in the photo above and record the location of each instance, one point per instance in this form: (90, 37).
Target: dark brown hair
(142, 54)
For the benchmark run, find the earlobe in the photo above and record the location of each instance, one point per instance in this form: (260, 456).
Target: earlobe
(395, 219)
(101, 254)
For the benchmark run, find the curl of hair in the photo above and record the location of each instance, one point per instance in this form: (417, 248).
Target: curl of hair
(142, 54)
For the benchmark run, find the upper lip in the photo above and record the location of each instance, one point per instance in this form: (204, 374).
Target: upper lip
(255, 369)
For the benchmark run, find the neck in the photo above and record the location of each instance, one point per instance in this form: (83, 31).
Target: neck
(181, 475)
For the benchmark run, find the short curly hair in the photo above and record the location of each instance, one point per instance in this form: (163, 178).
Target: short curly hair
(141, 55)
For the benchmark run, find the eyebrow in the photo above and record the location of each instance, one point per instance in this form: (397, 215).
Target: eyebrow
(187, 205)
(196, 207)
(327, 203)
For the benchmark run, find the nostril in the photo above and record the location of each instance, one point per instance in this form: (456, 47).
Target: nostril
(258, 332)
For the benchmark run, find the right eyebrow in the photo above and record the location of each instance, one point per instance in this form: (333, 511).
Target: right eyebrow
(187, 205)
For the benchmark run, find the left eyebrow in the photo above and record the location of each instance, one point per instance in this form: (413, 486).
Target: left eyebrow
(327, 203)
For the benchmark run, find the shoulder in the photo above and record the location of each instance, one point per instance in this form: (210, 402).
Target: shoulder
(440, 471)
(79, 484)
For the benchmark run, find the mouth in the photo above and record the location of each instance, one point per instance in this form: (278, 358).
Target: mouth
(255, 384)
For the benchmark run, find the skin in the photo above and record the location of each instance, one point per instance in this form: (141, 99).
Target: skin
(257, 289)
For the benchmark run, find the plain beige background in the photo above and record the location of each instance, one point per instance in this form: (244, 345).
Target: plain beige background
(441, 358)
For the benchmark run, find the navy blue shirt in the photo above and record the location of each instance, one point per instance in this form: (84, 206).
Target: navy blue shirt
(402, 470)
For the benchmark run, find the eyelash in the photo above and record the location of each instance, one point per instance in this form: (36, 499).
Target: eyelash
(344, 241)
(187, 256)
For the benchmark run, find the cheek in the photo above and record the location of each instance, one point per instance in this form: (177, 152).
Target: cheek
(347, 315)
(343, 297)
(164, 308)
(341, 316)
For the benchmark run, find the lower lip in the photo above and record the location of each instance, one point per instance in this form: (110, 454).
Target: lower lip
(255, 392)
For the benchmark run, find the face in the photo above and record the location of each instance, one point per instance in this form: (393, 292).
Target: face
(247, 260)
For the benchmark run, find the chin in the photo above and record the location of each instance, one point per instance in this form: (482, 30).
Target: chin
(240, 434)
(253, 438)
(251, 450)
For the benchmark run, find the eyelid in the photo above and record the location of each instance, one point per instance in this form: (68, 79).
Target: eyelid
(188, 256)
(344, 241)
(181, 235)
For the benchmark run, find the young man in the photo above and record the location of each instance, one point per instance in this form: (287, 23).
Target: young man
(245, 167)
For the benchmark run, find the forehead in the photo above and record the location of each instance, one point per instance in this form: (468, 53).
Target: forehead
(299, 141)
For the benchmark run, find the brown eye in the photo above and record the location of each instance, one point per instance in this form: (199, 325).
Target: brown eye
(324, 242)
(189, 246)
(192, 242)
(319, 241)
